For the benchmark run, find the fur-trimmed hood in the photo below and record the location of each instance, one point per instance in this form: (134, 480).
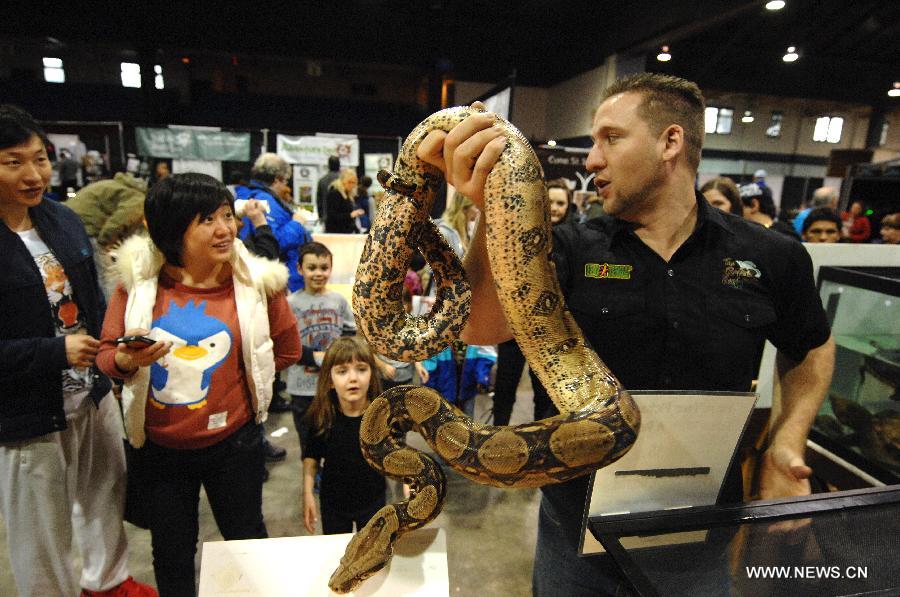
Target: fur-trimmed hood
(255, 278)
(137, 258)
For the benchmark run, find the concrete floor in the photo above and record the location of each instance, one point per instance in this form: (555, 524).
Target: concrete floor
(490, 532)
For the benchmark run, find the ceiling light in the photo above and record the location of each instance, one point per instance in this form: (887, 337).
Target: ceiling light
(895, 90)
(664, 55)
(775, 5)
(748, 117)
(551, 143)
(791, 54)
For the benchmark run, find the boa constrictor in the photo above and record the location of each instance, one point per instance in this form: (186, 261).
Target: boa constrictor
(598, 422)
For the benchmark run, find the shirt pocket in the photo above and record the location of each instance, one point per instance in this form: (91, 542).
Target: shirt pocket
(735, 331)
(744, 311)
(611, 316)
(607, 304)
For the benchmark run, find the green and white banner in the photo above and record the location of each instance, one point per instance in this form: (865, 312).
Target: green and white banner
(193, 144)
(316, 150)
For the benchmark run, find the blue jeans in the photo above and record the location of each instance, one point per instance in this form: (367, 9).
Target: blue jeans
(230, 471)
(558, 569)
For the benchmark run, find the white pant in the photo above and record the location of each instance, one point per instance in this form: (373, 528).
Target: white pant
(50, 486)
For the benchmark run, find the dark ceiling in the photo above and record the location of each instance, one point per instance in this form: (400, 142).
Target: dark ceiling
(849, 50)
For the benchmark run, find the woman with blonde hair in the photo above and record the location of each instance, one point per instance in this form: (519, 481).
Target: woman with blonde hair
(461, 215)
(340, 205)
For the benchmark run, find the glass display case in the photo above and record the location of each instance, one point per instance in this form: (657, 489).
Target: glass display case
(828, 544)
(860, 419)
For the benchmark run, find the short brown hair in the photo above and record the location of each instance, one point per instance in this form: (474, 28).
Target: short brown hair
(668, 100)
(560, 183)
(313, 248)
(891, 220)
(729, 190)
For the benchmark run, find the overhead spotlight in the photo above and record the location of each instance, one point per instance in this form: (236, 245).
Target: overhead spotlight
(185, 60)
(664, 55)
(775, 5)
(551, 143)
(748, 117)
(895, 90)
(791, 55)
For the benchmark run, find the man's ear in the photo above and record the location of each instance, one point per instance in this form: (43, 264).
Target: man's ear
(673, 140)
(754, 205)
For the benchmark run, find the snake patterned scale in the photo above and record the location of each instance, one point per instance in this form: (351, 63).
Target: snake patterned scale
(599, 421)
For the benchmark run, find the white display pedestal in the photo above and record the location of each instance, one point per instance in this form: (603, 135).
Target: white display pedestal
(292, 566)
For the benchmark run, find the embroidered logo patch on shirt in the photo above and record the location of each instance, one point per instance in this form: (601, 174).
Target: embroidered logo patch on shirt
(607, 270)
(738, 273)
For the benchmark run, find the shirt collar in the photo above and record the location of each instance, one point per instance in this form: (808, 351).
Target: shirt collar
(706, 213)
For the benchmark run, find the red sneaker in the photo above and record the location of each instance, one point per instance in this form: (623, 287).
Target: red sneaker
(127, 588)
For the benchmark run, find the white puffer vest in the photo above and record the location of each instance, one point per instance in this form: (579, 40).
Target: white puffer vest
(255, 279)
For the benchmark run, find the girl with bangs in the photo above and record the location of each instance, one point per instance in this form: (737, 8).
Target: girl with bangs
(351, 491)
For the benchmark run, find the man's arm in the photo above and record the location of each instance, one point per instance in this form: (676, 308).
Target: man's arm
(487, 323)
(466, 156)
(784, 472)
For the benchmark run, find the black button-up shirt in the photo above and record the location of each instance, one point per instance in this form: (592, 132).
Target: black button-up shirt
(696, 322)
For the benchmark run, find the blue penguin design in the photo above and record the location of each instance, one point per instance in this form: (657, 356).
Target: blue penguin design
(200, 344)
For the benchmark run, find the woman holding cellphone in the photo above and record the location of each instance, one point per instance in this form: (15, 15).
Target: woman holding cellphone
(194, 399)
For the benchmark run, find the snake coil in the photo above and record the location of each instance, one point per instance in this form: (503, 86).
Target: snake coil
(599, 421)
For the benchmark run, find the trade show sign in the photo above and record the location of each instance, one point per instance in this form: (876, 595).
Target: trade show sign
(316, 150)
(193, 144)
(568, 163)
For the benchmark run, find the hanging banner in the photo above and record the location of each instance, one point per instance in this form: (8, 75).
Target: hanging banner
(317, 150)
(193, 144)
(564, 163)
(375, 162)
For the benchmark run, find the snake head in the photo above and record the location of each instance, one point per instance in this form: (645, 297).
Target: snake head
(391, 181)
(369, 551)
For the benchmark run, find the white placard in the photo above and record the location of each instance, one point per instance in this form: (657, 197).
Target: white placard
(291, 566)
(685, 446)
(306, 178)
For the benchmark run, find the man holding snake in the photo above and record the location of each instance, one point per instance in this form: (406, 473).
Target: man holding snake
(673, 295)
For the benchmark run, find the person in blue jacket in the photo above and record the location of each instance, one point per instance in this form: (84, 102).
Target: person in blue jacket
(460, 373)
(269, 175)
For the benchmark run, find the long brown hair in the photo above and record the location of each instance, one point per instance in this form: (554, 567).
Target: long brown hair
(322, 411)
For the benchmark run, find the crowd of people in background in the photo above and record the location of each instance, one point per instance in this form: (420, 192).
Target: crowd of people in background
(345, 203)
(232, 289)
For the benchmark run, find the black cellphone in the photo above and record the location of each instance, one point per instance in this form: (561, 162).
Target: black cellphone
(136, 341)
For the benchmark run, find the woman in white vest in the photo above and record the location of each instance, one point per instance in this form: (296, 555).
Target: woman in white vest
(194, 399)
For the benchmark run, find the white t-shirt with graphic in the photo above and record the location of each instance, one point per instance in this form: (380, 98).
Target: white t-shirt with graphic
(76, 381)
